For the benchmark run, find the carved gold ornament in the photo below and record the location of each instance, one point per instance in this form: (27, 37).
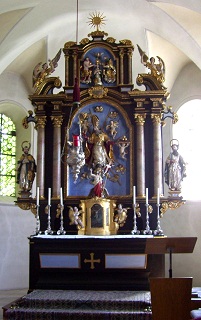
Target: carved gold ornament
(96, 20)
(172, 205)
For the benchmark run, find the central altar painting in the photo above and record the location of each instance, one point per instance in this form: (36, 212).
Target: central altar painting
(102, 132)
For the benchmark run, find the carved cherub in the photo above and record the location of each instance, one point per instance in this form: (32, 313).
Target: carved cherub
(112, 127)
(123, 144)
(120, 215)
(42, 70)
(84, 122)
(75, 217)
(157, 69)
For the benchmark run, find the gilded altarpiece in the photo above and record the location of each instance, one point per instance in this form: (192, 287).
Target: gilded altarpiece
(99, 169)
(100, 119)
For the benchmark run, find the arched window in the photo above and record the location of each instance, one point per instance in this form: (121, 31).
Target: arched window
(7, 156)
(188, 131)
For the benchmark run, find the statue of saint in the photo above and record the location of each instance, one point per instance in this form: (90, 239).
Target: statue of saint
(109, 71)
(175, 168)
(86, 71)
(26, 168)
(99, 148)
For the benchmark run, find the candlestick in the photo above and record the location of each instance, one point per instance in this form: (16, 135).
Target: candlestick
(47, 208)
(37, 196)
(37, 231)
(49, 196)
(158, 196)
(61, 197)
(134, 195)
(147, 196)
(61, 229)
(158, 231)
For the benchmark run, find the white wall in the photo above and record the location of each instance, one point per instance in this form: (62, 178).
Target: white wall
(16, 226)
(186, 220)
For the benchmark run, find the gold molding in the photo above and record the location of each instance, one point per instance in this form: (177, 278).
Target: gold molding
(98, 92)
(172, 205)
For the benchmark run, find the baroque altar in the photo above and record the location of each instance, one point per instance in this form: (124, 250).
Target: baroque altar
(100, 169)
(99, 136)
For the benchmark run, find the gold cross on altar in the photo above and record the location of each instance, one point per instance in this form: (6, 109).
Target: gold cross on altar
(92, 260)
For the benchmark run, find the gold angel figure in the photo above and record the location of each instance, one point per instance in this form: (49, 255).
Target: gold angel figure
(75, 217)
(120, 215)
(157, 69)
(42, 70)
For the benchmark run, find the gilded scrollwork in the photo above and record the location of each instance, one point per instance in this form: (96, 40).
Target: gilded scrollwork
(33, 208)
(27, 119)
(84, 41)
(98, 92)
(126, 42)
(24, 205)
(69, 44)
(172, 205)
(110, 40)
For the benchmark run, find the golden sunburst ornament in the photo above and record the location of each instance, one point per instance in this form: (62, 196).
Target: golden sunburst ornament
(96, 19)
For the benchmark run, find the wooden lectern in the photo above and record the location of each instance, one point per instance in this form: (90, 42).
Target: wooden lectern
(170, 245)
(171, 297)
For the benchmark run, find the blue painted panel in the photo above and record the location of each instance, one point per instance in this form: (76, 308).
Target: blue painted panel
(131, 261)
(59, 260)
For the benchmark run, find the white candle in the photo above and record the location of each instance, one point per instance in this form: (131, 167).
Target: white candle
(147, 196)
(61, 197)
(49, 196)
(134, 195)
(158, 196)
(37, 196)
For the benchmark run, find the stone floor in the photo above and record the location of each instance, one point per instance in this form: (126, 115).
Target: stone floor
(7, 296)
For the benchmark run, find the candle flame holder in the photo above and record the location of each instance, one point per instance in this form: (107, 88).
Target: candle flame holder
(136, 213)
(148, 210)
(158, 231)
(37, 230)
(49, 230)
(61, 229)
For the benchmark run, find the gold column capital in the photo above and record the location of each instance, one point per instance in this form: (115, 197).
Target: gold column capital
(57, 121)
(130, 52)
(140, 118)
(156, 118)
(41, 121)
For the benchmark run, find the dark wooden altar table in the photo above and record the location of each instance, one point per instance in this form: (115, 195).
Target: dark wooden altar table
(118, 262)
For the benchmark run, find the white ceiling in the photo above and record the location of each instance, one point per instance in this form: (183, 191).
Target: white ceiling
(34, 30)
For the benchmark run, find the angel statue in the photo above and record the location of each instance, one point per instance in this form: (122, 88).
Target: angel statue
(157, 69)
(120, 215)
(74, 216)
(42, 70)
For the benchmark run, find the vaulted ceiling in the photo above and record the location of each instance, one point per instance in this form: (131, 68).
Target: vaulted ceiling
(34, 30)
